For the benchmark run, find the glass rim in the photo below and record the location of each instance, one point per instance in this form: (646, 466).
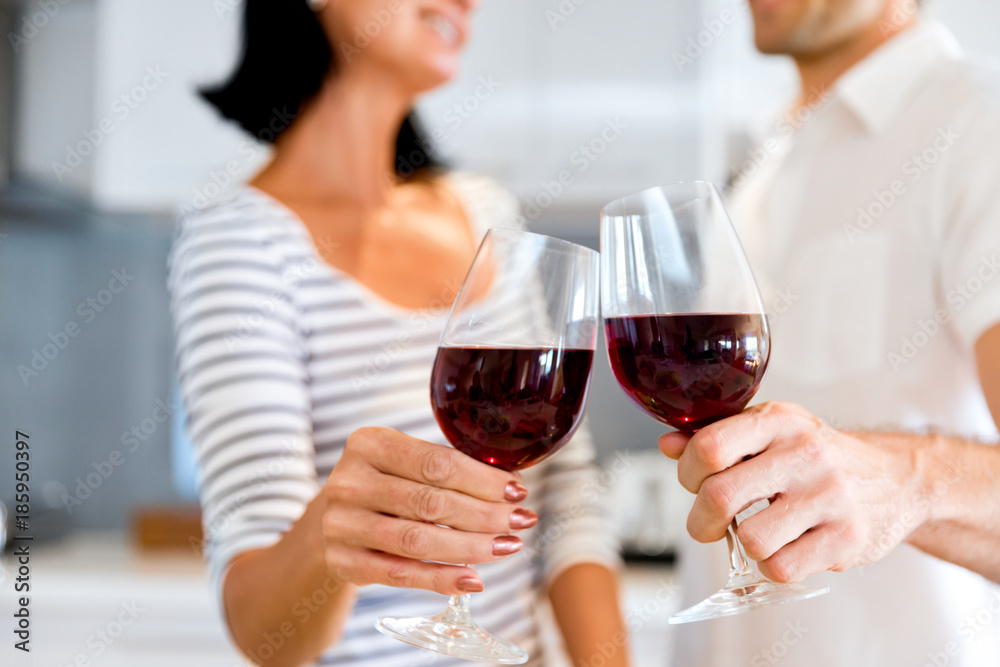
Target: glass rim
(709, 186)
(558, 243)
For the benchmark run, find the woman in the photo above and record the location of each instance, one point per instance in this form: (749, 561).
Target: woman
(308, 307)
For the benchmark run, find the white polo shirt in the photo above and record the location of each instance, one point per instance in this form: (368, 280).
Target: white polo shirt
(872, 222)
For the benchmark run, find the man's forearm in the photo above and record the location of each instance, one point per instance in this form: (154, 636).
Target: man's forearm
(961, 485)
(282, 605)
(585, 603)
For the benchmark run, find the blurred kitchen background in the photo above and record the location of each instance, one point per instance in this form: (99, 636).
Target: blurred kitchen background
(103, 141)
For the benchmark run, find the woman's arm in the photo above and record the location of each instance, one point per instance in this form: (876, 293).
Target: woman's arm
(378, 520)
(585, 603)
(306, 607)
(580, 554)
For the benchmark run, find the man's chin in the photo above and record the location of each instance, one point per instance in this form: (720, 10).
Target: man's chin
(787, 45)
(772, 47)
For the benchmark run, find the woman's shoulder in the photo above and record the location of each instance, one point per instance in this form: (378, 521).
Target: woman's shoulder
(242, 228)
(243, 211)
(486, 201)
(239, 220)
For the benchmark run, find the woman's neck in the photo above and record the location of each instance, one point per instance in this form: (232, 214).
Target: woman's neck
(342, 145)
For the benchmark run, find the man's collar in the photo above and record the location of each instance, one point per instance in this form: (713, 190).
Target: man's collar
(878, 88)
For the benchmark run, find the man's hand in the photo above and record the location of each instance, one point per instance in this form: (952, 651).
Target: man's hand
(836, 500)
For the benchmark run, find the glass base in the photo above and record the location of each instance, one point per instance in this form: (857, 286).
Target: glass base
(458, 638)
(744, 594)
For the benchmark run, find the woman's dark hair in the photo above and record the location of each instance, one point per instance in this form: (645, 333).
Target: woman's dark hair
(286, 57)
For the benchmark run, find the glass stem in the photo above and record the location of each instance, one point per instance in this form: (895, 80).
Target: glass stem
(458, 611)
(459, 608)
(739, 569)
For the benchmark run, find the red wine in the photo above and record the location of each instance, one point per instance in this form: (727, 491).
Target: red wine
(509, 407)
(688, 370)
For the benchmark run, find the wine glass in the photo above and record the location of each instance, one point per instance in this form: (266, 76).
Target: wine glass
(508, 387)
(688, 337)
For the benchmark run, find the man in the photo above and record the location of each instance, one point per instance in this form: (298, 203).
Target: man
(873, 225)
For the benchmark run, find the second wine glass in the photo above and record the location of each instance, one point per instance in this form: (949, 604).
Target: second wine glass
(688, 338)
(508, 387)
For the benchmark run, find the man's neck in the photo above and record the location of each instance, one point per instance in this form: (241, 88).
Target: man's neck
(818, 72)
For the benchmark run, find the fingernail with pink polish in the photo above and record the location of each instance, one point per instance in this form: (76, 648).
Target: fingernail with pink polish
(515, 492)
(506, 545)
(521, 519)
(469, 585)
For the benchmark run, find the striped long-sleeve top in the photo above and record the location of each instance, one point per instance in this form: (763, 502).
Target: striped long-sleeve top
(281, 356)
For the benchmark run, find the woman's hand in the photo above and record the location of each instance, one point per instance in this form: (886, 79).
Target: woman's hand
(385, 496)
(838, 500)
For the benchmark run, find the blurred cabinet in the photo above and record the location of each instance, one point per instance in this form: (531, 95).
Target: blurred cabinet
(87, 358)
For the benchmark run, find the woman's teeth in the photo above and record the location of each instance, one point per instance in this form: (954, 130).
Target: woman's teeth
(443, 27)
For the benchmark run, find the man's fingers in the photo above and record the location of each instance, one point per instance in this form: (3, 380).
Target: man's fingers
(817, 550)
(724, 495)
(725, 443)
(365, 566)
(394, 453)
(412, 500)
(768, 531)
(416, 539)
(672, 444)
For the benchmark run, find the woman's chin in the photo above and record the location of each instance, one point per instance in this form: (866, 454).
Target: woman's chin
(434, 74)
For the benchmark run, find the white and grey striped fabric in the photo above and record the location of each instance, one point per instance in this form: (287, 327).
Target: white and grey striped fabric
(280, 357)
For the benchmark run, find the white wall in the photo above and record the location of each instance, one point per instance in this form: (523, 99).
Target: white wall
(169, 145)
(55, 80)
